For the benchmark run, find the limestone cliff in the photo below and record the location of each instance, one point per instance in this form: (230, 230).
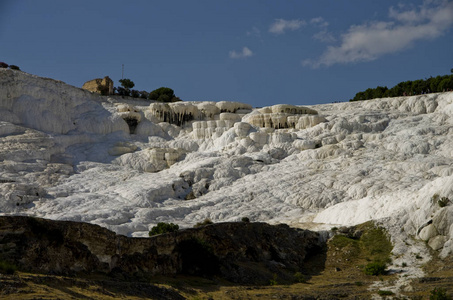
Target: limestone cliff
(240, 252)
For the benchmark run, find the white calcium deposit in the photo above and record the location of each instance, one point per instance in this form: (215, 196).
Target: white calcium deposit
(126, 164)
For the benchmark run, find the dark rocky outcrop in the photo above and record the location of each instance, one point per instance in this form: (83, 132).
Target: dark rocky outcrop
(240, 252)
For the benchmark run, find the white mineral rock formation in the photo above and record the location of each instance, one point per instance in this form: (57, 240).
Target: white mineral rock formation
(72, 155)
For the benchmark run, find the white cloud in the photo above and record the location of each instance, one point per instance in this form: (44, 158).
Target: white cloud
(323, 35)
(370, 41)
(319, 21)
(280, 25)
(254, 32)
(246, 52)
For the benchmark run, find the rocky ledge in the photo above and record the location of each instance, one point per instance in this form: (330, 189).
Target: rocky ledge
(239, 252)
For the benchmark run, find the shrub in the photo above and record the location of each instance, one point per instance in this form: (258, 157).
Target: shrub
(144, 94)
(7, 268)
(385, 293)
(439, 294)
(164, 98)
(206, 221)
(122, 91)
(135, 93)
(245, 220)
(407, 88)
(443, 201)
(3, 65)
(273, 281)
(14, 67)
(162, 94)
(299, 277)
(163, 228)
(375, 268)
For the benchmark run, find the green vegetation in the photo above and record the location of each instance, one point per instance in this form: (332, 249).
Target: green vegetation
(163, 228)
(127, 83)
(375, 268)
(162, 94)
(439, 294)
(7, 268)
(245, 220)
(408, 88)
(273, 281)
(385, 293)
(135, 94)
(143, 94)
(342, 241)
(373, 245)
(14, 67)
(299, 277)
(441, 201)
(125, 88)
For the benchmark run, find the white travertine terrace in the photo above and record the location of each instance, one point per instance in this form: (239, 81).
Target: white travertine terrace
(69, 154)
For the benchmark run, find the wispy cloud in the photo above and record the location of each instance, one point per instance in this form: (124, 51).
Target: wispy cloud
(246, 52)
(372, 40)
(280, 25)
(254, 32)
(319, 21)
(323, 35)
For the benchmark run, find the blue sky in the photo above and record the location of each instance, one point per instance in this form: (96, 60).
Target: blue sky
(259, 52)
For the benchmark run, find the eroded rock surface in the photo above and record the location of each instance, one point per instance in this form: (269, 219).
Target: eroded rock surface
(240, 252)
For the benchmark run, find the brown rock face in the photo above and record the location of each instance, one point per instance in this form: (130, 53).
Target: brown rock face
(239, 252)
(99, 85)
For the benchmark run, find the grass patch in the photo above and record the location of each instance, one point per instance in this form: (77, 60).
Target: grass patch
(342, 241)
(372, 245)
(439, 294)
(375, 244)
